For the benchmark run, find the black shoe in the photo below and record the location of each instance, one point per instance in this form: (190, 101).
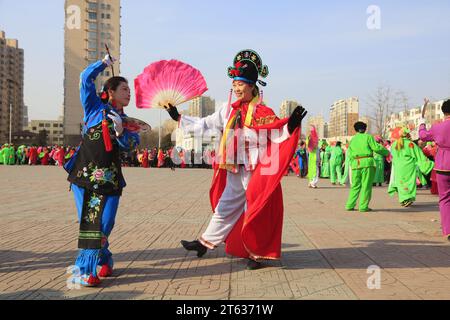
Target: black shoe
(253, 265)
(408, 203)
(194, 246)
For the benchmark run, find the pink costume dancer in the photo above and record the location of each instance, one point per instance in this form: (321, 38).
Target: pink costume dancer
(440, 133)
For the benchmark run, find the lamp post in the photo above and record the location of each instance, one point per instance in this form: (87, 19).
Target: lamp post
(159, 132)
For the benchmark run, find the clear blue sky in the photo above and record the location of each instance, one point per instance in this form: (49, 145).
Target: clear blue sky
(317, 52)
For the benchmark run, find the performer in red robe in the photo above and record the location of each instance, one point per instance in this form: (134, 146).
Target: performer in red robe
(183, 159)
(255, 151)
(60, 156)
(145, 159)
(33, 156)
(45, 156)
(160, 158)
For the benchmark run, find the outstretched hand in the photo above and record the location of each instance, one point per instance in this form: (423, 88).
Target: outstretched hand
(295, 120)
(173, 112)
(109, 60)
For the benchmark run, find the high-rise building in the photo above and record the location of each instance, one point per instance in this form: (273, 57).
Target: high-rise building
(343, 115)
(25, 118)
(202, 107)
(90, 24)
(287, 108)
(11, 87)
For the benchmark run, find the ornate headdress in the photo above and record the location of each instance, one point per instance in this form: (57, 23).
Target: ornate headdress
(247, 67)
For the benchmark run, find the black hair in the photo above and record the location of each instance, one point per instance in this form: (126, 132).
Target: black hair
(338, 144)
(446, 107)
(255, 91)
(360, 127)
(111, 84)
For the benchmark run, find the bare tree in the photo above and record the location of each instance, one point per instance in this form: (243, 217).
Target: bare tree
(401, 100)
(382, 104)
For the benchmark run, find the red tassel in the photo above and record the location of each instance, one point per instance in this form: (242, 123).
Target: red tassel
(106, 136)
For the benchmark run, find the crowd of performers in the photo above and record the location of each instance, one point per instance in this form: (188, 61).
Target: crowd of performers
(367, 161)
(33, 155)
(246, 194)
(145, 158)
(174, 158)
(331, 161)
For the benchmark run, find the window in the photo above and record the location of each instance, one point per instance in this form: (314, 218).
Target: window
(47, 125)
(92, 55)
(92, 26)
(92, 6)
(108, 7)
(55, 125)
(92, 16)
(108, 16)
(41, 125)
(92, 35)
(92, 45)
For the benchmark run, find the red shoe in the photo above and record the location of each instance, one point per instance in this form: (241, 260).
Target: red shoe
(90, 281)
(106, 271)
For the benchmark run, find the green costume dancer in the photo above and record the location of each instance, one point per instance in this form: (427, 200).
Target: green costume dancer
(379, 166)
(313, 170)
(3, 151)
(406, 158)
(345, 176)
(12, 155)
(362, 164)
(21, 157)
(6, 154)
(325, 161)
(336, 160)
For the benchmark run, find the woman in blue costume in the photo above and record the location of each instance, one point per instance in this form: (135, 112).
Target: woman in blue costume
(95, 171)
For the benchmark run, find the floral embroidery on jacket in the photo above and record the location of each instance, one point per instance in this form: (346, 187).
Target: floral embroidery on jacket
(100, 176)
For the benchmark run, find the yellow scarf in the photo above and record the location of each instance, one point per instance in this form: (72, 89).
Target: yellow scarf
(232, 167)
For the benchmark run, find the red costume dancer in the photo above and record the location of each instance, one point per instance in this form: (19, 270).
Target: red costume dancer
(145, 159)
(183, 159)
(33, 156)
(160, 158)
(44, 156)
(59, 156)
(246, 195)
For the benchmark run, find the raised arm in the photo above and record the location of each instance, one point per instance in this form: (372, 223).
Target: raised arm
(424, 134)
(88, 93)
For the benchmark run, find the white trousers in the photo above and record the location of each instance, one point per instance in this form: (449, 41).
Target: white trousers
(231, 206)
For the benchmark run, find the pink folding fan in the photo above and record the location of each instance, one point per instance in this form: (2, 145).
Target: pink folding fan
(168, 82)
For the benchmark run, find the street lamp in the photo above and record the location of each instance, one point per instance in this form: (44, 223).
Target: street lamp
(10, 106)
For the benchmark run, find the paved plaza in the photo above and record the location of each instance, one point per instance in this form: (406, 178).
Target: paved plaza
(326, 250)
